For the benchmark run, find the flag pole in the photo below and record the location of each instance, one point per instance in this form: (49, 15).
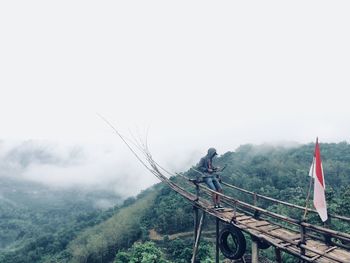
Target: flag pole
(307, 198)
(310, 184)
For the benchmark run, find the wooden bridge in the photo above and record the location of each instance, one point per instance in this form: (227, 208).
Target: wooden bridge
(307, 242)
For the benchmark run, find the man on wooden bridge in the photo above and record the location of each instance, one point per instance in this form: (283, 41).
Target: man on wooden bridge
(205, 166)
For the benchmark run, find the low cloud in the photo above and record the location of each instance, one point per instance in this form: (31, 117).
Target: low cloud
(91, 167)
(109, 167)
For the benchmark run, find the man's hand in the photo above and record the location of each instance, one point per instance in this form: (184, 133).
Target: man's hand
(210, 170)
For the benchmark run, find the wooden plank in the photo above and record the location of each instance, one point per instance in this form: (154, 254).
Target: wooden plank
(259, 223)
(323, 248)
(249, 221)
(341, 253)
(286, 233)
(228, 214)
(326, 251)
(271, 228)
(242, 218)
(294, 236)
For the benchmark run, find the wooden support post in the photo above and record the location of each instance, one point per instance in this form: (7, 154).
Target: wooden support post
(278, 255)
(327, 237)
(195, 221)
(302, 239)
(198, 236)
(235, 211)
(255, 200)
(217, 240)
(255, 252)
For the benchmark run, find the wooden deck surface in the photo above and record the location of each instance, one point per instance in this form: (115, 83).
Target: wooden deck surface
(285, 239)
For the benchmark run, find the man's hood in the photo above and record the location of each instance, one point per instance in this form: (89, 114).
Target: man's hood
(211, 152)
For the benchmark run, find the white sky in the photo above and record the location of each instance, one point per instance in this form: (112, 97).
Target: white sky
(199, 73)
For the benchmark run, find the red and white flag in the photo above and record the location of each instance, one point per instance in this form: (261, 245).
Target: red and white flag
(316, 171)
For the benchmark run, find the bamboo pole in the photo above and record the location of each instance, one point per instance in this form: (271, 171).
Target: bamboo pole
(198, 236)
(255, 252)
(307, 198)
(217, 240)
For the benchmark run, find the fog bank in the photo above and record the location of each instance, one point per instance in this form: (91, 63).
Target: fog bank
(69, 166)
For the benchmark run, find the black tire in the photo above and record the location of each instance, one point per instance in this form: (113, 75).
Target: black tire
(235, 248)
(262, 244)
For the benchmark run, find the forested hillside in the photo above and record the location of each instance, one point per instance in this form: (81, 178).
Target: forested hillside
(276, 171)
(38, 222)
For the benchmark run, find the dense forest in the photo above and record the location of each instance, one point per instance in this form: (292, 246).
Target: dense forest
(37, 222)
(156, 226)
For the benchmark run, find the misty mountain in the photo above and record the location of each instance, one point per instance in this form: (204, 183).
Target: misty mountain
(42, 223)
(29, 209)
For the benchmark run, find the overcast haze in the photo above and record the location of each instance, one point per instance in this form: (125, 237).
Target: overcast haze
(197, 73)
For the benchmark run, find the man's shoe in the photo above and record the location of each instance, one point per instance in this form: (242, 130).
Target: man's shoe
(219, 206)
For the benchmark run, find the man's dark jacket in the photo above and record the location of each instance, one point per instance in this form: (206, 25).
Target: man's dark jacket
(207, 162)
